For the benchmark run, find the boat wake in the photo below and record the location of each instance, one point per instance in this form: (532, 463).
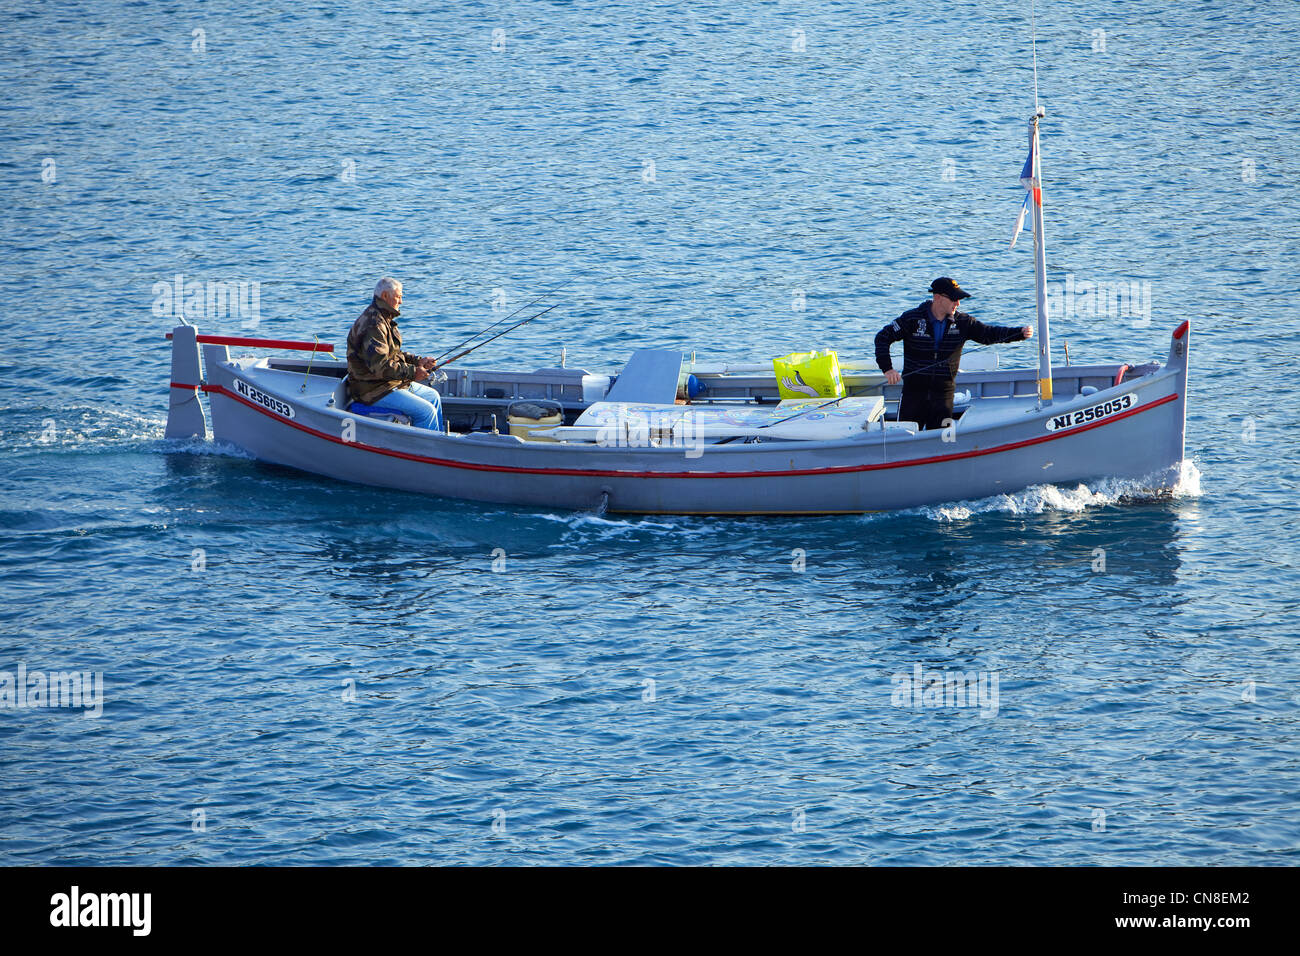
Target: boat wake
(1053, 498)
(81, 428)
(202, 446)
(76, 428)
(611, 525)
(98, 428)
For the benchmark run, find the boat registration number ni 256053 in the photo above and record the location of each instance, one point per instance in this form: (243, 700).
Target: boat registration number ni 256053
(1091, 413)
(263, 399)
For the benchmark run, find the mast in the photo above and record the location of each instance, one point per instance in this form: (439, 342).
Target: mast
(1040, 262)
(1040, 250)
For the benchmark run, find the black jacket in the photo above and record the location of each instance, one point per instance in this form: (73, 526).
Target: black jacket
(924, 366)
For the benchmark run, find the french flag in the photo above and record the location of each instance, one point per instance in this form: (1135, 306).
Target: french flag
(1031, 191)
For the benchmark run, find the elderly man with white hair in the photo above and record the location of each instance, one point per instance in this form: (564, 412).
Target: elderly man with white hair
(381, 376)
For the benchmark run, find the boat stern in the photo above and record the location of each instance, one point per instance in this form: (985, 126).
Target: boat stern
(184, 410)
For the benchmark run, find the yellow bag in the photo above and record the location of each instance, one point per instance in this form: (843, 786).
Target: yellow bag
(809, 375)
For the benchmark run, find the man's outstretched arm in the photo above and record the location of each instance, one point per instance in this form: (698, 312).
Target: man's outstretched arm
(997, 334)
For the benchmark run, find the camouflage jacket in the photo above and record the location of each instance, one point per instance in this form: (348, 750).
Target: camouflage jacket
(376, 362)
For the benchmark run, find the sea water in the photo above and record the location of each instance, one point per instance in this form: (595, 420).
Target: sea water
(296, 670)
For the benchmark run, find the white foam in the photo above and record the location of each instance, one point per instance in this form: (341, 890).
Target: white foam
(1189, 481)
(600, 522)
(79, 427)
(1043, 498)
(202, 446)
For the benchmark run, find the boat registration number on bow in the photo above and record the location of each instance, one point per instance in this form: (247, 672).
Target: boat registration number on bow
(263, 399)
(1092, 413)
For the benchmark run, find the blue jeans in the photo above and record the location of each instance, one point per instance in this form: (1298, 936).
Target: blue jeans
(420, 403)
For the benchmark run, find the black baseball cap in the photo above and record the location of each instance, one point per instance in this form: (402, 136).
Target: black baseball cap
(946, 287)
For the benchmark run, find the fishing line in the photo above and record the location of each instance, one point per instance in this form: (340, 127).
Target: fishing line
(566, 282)
(472, 348)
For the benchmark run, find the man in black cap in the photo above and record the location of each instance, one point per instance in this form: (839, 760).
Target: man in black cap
(933, 334)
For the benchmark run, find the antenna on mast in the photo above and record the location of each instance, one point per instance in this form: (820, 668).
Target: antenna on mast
(1033, 43)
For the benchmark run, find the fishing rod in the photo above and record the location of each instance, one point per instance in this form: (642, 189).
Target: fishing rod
(566, 282)
(459, 355)
(805, 411)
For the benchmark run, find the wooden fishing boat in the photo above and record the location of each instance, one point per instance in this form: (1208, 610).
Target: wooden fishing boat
(624, 441)
(656, 457)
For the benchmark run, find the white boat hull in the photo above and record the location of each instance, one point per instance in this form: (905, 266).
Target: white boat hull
(1131, 430)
